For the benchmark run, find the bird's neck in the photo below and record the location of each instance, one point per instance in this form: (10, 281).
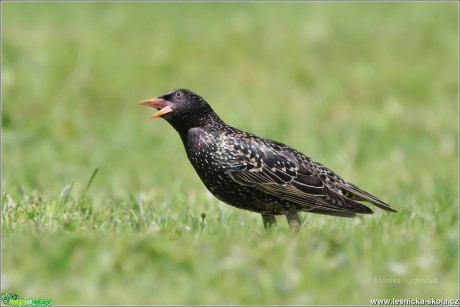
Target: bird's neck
(210, 122)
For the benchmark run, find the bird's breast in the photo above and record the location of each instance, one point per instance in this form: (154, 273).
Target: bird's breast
(210, 160)
(203, 152)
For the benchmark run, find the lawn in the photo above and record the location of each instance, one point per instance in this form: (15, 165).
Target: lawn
(101, 206)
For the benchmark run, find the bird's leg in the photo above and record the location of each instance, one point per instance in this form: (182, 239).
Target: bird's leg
(293, 219)
(269, 220)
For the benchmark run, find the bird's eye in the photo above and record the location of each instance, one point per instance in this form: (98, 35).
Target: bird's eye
(178, 96)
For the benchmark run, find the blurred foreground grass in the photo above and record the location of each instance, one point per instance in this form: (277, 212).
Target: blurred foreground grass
(369, 89)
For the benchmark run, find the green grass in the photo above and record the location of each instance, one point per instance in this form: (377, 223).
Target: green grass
(101, 206)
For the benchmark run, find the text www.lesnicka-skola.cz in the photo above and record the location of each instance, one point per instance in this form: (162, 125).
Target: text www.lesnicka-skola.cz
(416, 301)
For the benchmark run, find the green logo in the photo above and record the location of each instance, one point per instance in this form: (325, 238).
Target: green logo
(12, 299)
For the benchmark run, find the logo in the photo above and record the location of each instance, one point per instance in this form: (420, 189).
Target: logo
(12, 299)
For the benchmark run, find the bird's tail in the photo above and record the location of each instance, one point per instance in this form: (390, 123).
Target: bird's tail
(352, 191)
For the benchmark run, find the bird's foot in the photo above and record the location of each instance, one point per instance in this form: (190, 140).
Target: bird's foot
(293, 219)
(269, 221)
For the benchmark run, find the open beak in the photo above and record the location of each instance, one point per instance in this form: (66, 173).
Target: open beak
(162, 105)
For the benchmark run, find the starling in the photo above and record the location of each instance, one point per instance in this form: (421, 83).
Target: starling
(256, 174)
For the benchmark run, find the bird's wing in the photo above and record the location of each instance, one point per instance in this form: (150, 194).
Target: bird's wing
(279, 173)
(339, 185)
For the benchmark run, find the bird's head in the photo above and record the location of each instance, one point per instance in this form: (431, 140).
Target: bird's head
(182, 108)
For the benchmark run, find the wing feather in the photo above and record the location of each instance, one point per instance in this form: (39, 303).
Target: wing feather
(282, 175)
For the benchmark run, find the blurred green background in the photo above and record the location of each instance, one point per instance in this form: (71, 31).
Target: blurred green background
(369, 89)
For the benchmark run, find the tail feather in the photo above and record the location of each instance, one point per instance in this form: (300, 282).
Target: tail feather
(359, 194)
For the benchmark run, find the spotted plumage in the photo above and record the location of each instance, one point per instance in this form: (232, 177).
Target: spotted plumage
(256, 174)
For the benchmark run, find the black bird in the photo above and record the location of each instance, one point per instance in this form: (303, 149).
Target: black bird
(256, 174)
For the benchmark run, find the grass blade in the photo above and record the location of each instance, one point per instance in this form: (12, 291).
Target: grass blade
(90, 181)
